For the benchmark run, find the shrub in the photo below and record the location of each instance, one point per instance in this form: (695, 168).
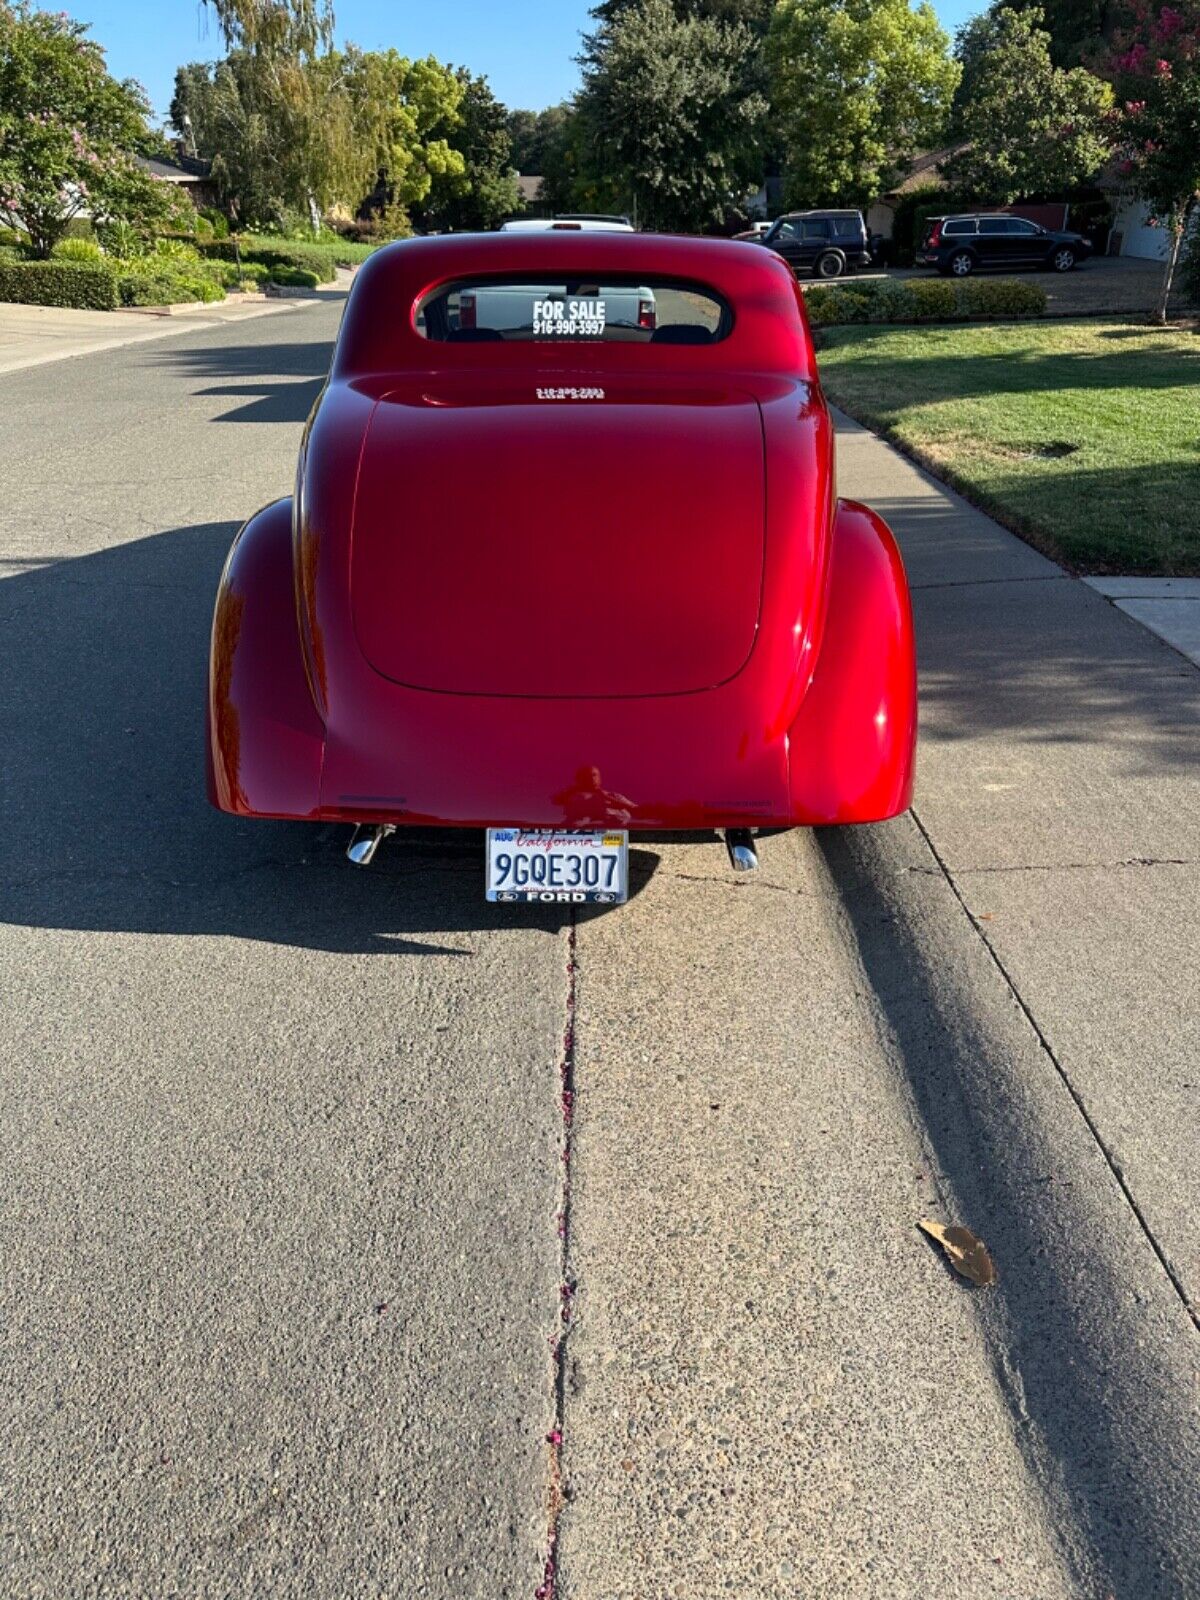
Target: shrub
(85, 250)
(294, 277)
(217, 221)
(10, 253)
(891, 301)
(1000, 297)
(932, 300)
(58, 283)
(250, 275)
(831, 307)
(146, 285)
(176, 250)
(310, 258)
(924, 300)
(122, 240)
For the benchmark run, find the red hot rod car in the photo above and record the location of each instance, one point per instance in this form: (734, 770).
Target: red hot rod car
(565, 560)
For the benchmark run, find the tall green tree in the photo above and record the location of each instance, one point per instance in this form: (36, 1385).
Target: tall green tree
(319, 132)
(68, 131)
(671, 114)
(485, 192)
(536, 137)
(1081, 31)
(275, 28)
(857, 88)
(756, 14)
(1155, 67)
(1031, 128)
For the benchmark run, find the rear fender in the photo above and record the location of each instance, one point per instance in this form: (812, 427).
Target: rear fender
(851, 750)
(265, 741)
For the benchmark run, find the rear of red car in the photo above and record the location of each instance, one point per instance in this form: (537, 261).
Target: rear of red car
(565, 554)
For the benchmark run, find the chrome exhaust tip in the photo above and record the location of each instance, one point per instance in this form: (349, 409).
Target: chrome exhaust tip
(366, 841)
(743, 857)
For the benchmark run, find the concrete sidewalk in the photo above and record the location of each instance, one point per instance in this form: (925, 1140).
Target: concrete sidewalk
(31, 335)
(1058, 792)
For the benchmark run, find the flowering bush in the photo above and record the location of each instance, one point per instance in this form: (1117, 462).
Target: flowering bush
(67, 132)
(1156, 69)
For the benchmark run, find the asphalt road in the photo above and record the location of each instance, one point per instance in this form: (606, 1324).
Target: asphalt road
(300, 1297)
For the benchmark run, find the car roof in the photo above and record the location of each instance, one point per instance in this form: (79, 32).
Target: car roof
(378, 336)
(820, 211)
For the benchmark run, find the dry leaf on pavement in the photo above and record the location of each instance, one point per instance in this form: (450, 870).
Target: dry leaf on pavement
(966, 1254)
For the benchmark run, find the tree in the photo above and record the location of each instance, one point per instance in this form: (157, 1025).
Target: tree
(857, 88)
(275, 28)
(1155, 67)
(1031, 127)
(68, 131)
(402, 112)
(756, 14)
(289, 136)
(537, 137)
(670, 114)
(486, 191)
(1080, 30)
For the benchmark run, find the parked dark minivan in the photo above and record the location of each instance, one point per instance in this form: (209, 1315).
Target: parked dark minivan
(824, 243)
(957, 246)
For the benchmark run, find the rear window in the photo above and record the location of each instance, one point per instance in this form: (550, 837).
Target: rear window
(848, 227)
(960, 225)
(572, 311)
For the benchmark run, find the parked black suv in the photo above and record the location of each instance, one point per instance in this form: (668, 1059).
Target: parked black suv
(957, 246)
(824, 243)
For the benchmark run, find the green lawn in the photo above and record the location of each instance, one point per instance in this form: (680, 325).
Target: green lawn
(1084, 437)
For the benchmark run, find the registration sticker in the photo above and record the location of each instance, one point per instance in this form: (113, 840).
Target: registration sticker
(541, 866)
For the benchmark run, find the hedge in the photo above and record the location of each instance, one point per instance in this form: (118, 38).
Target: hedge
(58, 283)
(308, 258)
(294, 278)
(924, 300)
(151, 287)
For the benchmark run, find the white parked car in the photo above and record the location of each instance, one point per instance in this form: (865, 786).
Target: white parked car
(570, 222)
(547, 310)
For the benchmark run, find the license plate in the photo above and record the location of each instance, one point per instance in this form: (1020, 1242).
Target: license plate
(566, 868)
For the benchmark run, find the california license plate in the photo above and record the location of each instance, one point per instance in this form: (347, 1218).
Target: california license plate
(571, 868)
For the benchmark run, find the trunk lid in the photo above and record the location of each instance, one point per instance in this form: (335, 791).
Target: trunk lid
(542, 537)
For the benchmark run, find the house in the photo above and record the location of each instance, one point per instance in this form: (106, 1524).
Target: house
(189, 173)
(530, 187)
(924, 172)
(1134, 234)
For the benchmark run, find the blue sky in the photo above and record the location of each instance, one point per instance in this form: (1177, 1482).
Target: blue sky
(525, 47)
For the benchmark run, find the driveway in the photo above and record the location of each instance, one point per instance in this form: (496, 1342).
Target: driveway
(361, 1238)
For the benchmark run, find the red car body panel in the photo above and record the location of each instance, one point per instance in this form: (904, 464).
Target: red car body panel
(561, 585)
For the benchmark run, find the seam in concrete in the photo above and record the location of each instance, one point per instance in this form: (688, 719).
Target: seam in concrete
(1113, 1165)
(556, 1489)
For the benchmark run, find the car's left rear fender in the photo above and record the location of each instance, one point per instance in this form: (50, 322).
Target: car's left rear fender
(265, 740)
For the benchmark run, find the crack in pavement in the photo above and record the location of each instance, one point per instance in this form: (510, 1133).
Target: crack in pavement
(556, 1492)
(981, 583)
(1110, 1160)
(1065, 866)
